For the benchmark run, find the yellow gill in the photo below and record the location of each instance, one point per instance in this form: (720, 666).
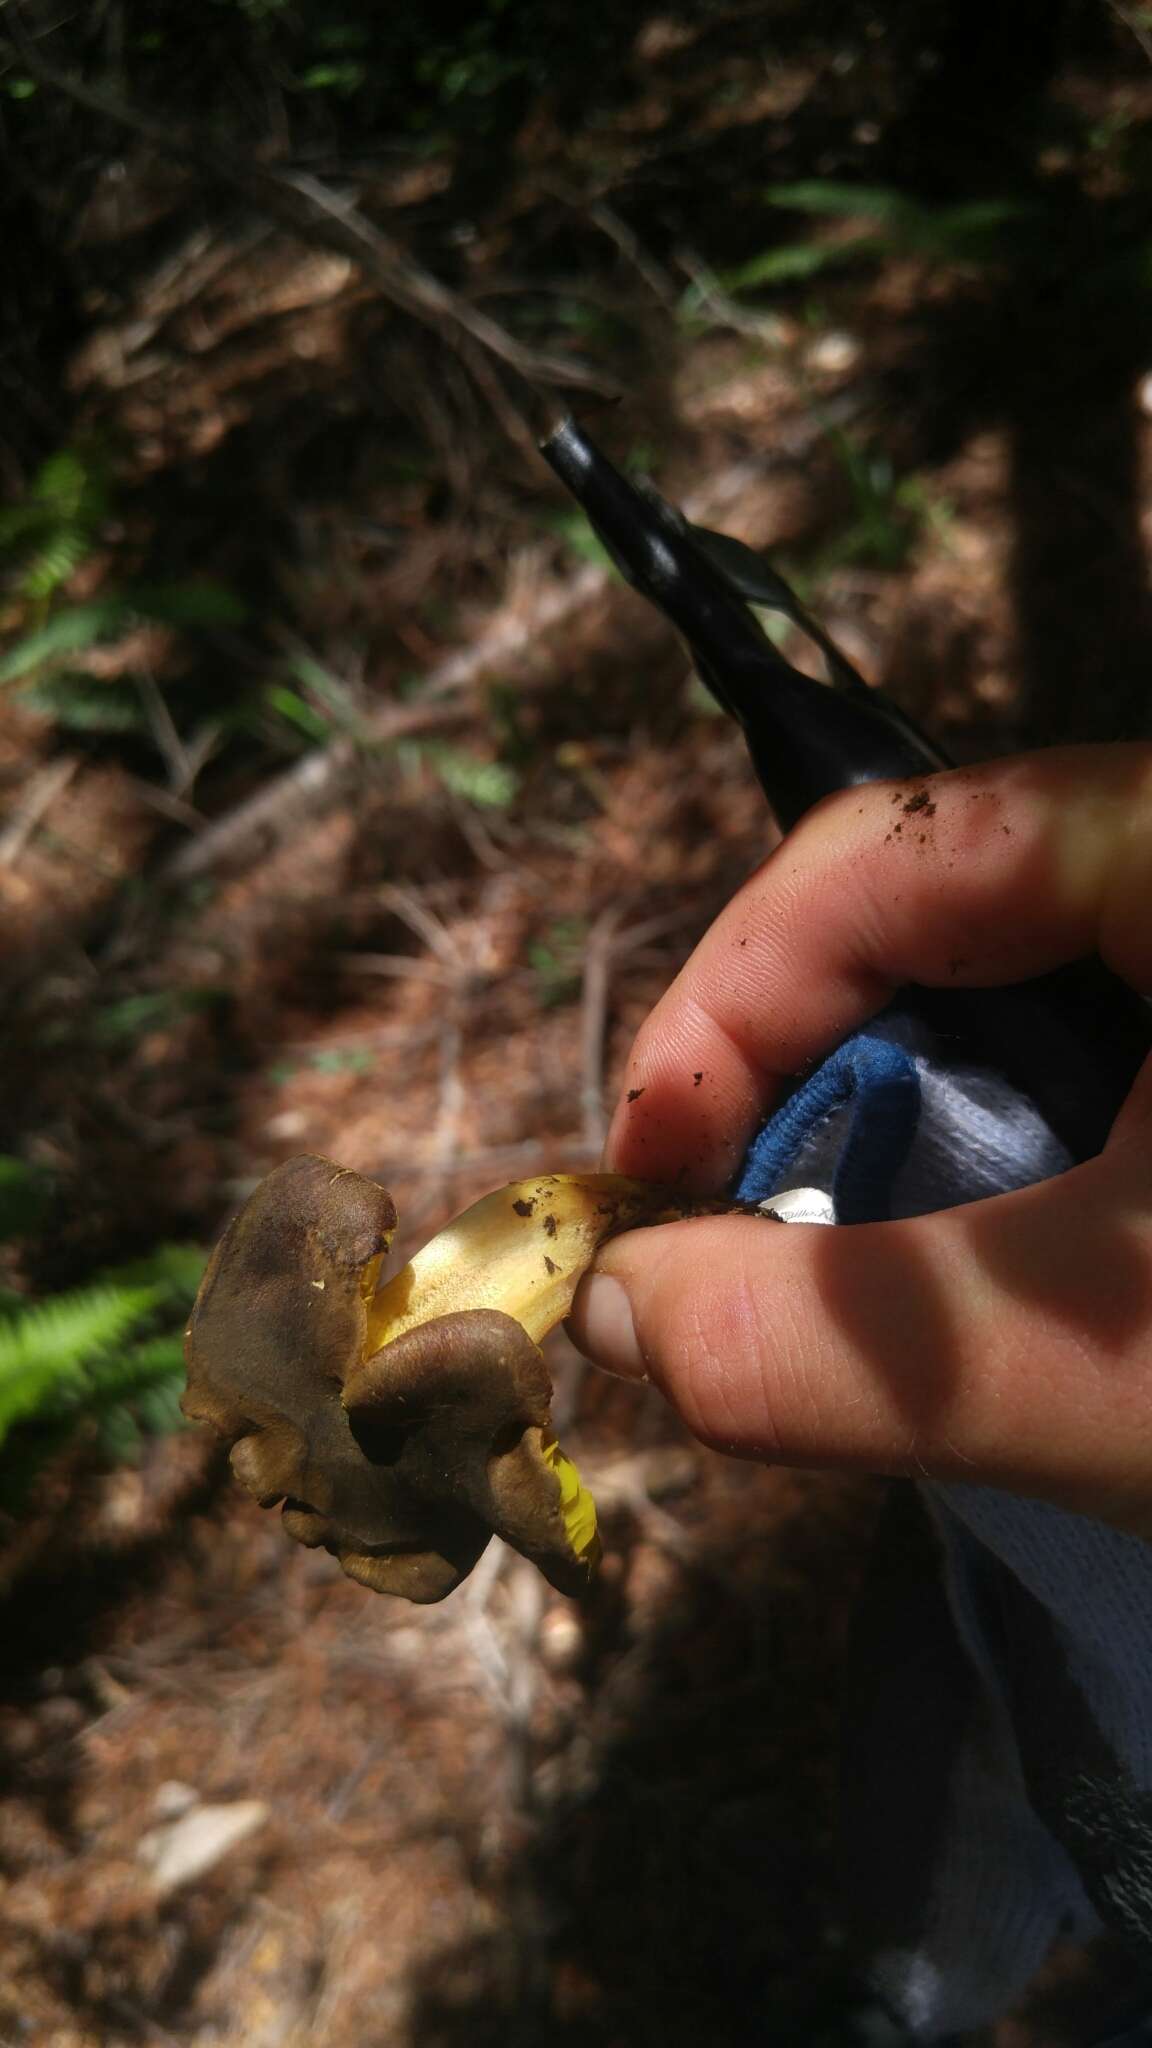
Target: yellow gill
(577, 1506)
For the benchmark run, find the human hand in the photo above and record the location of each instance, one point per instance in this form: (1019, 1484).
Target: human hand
(1007, 1342)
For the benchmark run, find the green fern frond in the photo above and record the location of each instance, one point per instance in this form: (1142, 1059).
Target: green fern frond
(81, 703)
(120, 1397)
(57, 525)
(55, 561)
(116, 1376)
(158, 1407)
(132, 1395)
(119, 1437)
(75, 629)
(48, 1345)
(72, 484)
(135, 1395)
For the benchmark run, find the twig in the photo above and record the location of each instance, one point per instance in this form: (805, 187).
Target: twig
(726, 311)
(452, 1094)
(319, 777)
(632, 249)
(317, 213)
(526, 1600)
(169, 806)
(177, 280)
(605, 945)
(517, 635)
(395, 967)
(593, 1019)
(43, 788)
(322, 776)
(509, 1657)
(1132, 22)
(407, 283)
(423, 923)
(475, 1598)
(169, 744)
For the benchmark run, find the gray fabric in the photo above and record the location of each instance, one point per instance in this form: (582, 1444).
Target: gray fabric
(976, 1137)
(1045, 1818)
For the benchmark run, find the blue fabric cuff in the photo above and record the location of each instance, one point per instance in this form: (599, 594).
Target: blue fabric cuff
(878, 1081)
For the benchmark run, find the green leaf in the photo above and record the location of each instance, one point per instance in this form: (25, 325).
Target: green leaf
(489, 784)
(73, 628)
(131, 1017)
(70, 485)
(151, 1010)
(158, 1406)
(159, 1358)
(54, 527)
(77, 627)
(900, 222)
(320, 682)
(343, 1059)
(297, 712)
(344, 76)
(82, 703)
(55, 562)
(825, 195)
(120, 1375)
(979, 215)
(118, 1435)
(796, 261)
(44, 1348)
(200, 603)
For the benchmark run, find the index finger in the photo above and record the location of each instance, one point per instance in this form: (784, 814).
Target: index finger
(970, 878)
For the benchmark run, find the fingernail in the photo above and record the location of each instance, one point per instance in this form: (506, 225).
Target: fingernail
(607, 1331)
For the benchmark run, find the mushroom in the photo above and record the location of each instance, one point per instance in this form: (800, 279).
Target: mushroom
(401, 1429)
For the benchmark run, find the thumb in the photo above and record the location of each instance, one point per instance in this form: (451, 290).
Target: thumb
(1008, 1342)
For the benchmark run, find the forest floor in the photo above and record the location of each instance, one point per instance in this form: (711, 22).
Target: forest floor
(508, 1820)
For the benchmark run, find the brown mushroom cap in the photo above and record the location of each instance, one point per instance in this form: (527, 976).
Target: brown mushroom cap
(461, 1403)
